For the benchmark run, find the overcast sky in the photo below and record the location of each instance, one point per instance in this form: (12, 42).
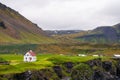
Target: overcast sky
(68, 14)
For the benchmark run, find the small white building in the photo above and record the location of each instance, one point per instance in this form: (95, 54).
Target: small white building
(95, 55)
(82, 55)
(30, 56)
(117, 55)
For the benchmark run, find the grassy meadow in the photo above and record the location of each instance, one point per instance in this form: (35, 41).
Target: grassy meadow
(17, 64)
(61, 53)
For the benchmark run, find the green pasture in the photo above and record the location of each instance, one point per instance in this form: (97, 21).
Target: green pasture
(43, 60)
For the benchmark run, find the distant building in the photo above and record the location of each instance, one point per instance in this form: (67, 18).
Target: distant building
(116, 55)
(30, 56)
(95, 55)
(82, 55)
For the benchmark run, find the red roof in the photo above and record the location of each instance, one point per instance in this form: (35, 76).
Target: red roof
(32, 53)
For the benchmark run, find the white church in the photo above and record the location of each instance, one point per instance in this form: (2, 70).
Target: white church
(30, 56)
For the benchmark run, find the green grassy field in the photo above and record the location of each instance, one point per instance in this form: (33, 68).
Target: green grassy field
(43, 60)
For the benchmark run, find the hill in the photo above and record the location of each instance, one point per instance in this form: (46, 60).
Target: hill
(102, 34)
(15, 28)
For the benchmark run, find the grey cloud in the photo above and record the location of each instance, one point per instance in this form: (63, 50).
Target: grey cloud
(68, 14)
(113, 9)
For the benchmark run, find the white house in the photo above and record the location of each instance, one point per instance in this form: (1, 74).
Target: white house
(30, 56)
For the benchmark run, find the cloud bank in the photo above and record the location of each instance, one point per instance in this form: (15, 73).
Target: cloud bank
(68, 14)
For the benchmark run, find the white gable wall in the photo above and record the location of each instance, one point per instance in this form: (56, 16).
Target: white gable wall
(29, 58)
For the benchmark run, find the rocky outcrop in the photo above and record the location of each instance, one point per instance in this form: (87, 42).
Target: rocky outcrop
(91, 70)
(68, 66)
(58, 71)
(2, 25)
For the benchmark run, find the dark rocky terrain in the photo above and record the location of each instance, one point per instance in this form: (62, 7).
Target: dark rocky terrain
(91, 70)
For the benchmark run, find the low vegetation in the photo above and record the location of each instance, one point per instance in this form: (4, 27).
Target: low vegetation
(44, 60)
(62, 48)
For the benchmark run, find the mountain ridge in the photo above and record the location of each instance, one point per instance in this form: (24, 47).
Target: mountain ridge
(99, 35)
(102, 34)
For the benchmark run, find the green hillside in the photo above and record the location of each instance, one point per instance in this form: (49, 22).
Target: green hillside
(15, 28)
